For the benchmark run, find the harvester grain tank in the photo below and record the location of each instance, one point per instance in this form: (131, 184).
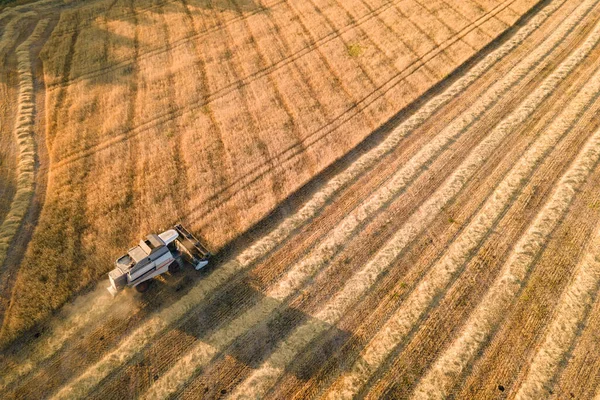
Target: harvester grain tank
(155, 255)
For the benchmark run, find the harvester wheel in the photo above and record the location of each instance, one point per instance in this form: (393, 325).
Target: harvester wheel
(142, 287)
(174, 267)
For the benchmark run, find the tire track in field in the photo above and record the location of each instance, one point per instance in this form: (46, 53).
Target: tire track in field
(283, 104)
(180, 195)
(265, 376)
(248, 97)
(286, 48)
(362, 32)
(217, 157)
(338, 81)
(459, 12)
(439, 379)
(550, 8)
(302, 272)
(568, 320)
(223, 25)
(445, 271)
(131, 344)
(62, 92)
(335, 122)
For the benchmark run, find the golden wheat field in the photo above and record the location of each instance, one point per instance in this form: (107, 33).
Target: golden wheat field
(402, 198)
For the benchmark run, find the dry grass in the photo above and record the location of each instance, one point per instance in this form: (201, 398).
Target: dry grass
(261, 380)
(287, 285)
(426, 267)
(574, 307)
(406, 318)
(226, 128)
(490, 312)
(23, 132)
(11, 31)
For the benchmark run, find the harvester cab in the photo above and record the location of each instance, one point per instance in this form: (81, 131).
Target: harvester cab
(155, 255)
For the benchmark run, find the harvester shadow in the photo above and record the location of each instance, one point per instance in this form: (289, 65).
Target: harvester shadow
(289, 205)
(256, 342)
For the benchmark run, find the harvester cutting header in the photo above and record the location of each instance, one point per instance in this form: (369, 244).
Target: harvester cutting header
(155, 255)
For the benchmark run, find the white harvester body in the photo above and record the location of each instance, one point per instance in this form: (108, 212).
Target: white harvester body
(155, 255)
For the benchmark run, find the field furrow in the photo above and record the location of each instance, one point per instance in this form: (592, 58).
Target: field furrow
(488, 314)
(460, 251)
(313, 207)
(224, 91)
(260, 380)
(400, 197)
(572, 310)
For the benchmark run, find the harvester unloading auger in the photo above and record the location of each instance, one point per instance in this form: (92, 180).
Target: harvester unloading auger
(155, 255)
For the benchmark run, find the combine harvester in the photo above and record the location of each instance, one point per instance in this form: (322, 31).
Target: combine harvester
(156, 255)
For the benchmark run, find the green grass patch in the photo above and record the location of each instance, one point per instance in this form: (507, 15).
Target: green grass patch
(354, 49)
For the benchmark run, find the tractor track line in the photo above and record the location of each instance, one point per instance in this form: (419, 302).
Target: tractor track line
(302, 272)
(262, 246)
(261, 72)
(142, 127)
(568, 320)
(262, 379)
(62, 91)
(462, 249)
(515, 273)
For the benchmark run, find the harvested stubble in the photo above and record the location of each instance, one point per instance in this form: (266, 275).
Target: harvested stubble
(142, 336)
(185, 120)
(73, 318)
(11, 31)
(302, 272)
(404, 320)
(567, 321)
(262, 378)
(440, 378)
(23, 132)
